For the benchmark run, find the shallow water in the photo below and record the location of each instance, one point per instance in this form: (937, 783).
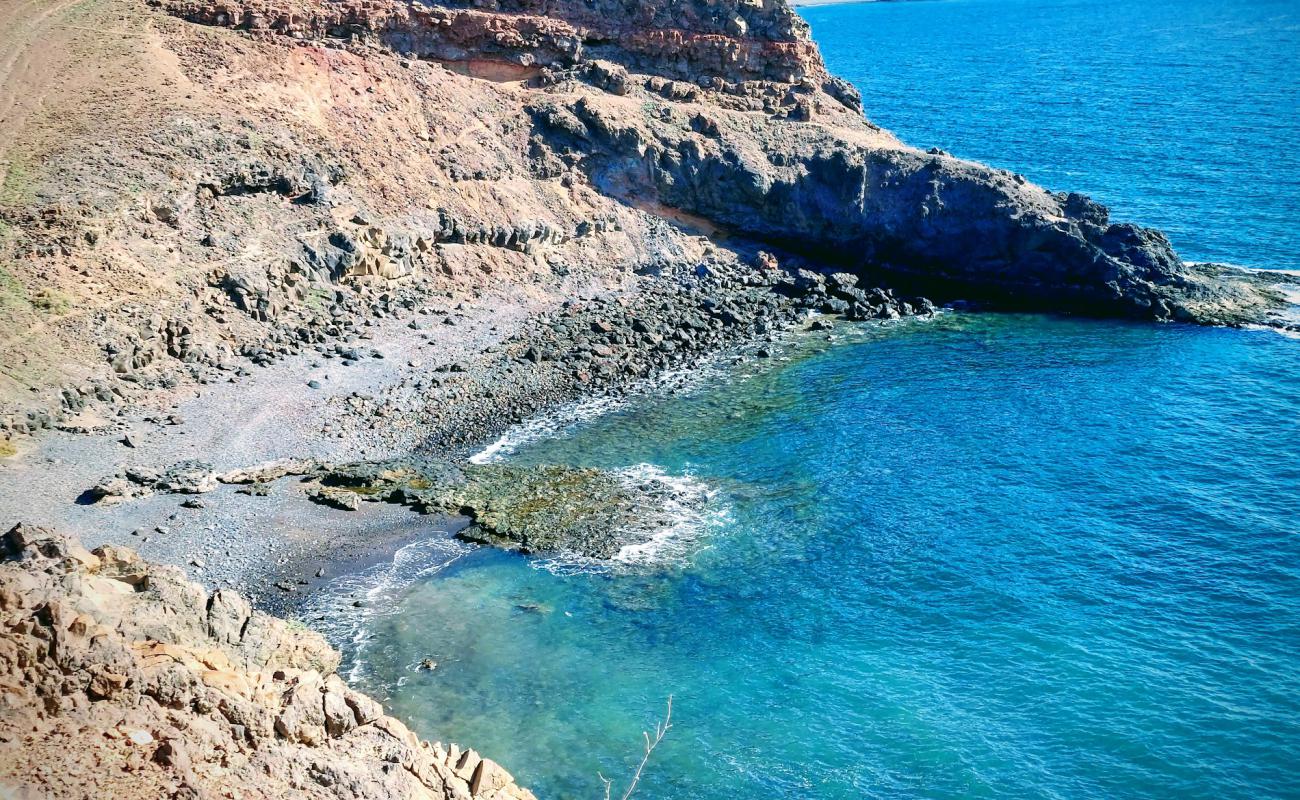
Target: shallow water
(981, 556)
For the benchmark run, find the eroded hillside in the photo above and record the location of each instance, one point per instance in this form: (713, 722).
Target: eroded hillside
(194, 189)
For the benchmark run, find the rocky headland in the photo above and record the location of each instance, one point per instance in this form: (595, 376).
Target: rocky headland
(271, 178)
(341, 246)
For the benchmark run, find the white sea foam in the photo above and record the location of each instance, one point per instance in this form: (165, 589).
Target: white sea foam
(669, 534)
(709, 370)
(550, 425)
(1273, 329)
(563, 420)
(672, 534)
(691, 510)
(380, 589)
(1219, 264)
(1263, 271)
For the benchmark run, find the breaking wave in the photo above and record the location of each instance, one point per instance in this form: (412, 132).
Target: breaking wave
(346, 610)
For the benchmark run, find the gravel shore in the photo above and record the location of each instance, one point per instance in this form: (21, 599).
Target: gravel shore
(444, 389)
(235, 539)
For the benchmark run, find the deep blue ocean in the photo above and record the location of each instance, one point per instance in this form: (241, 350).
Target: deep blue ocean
(1011, 556)
(1179, 114)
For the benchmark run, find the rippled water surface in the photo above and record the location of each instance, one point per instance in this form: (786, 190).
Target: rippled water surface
(1182, 114)
(981, 556)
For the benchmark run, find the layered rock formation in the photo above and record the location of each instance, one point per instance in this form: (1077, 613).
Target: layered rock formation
(191, 190)
(120, 678)
(268, 176)
(822, 191)
(298, 167)
(710, 43)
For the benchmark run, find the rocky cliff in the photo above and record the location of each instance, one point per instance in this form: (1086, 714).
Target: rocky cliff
(120, 678)
(194, 189)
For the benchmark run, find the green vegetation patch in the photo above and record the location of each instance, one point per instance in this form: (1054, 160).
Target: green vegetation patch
(19, 181)
(13, 294)
(52, 301)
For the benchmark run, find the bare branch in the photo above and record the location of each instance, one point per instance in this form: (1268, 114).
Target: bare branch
(661, 728)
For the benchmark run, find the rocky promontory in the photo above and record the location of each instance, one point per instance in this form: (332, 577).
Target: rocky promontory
(350, 236)
(120, 678)
(272, 178)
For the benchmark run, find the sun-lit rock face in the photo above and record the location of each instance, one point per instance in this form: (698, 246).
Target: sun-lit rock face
(269, 176)
(686, 39)
(120, 678)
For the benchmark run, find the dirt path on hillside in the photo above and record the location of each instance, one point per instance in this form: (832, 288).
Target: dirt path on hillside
(28, 73)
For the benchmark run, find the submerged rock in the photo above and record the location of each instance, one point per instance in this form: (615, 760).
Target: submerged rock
(547, 509)
(544, 509)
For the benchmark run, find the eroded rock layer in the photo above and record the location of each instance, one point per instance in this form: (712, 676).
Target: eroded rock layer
(686, 39)
(120, 678)
(268, 177)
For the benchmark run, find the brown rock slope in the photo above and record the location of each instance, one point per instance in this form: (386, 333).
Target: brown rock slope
(193, 188)
(120, 678)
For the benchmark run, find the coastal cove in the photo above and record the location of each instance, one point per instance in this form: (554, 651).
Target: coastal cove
(975, 556)
(978, 556)
(904, 395)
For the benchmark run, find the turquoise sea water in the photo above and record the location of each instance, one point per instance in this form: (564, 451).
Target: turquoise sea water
(979, 556)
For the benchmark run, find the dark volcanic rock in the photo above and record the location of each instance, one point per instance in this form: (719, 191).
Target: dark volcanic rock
(926, 222)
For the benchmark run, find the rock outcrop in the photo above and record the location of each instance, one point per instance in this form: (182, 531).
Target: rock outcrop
(543, 509)
(710, 43)
(925, 222)
(829, 191)
(120, 678)
(269, 177)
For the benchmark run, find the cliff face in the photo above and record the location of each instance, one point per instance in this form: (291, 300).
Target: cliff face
(191, 190)
(950, 227)
(120, 678)
(925, 222)
(718, 43)
(266, 176)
